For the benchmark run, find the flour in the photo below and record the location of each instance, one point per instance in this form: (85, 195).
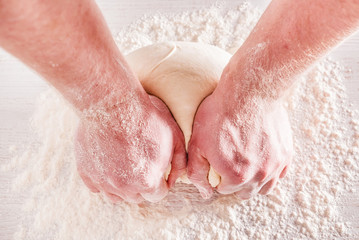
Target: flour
(303, 205)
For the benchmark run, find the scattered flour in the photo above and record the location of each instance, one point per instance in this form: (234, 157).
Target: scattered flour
(303, 205)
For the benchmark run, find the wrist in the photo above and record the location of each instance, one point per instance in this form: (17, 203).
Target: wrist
(234, 99)
(119, 113)
(256, 72)
(107, 82)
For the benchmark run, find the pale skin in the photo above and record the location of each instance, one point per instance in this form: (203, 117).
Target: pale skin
(70, 45)
(250, 145)
(253, 137)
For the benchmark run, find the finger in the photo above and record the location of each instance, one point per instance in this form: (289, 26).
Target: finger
(268, 187)
(252, 187)
(125, 194)
(284, 172)
(245, 193)
(197, 172)
(156, 194)
(131, 197)
(231, 184)
(88, 182)
(178, 164)
(113, 198)
(269, 181)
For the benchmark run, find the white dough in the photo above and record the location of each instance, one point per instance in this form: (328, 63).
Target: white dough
(181, 74)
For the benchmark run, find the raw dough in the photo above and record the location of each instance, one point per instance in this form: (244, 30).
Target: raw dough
(181, 74)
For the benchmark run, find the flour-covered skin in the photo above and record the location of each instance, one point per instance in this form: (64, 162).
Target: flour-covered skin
(254, 149)
(126, 150)
(242, 130)
(126, 139)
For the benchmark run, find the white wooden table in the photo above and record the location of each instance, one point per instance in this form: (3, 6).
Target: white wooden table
(19, 87)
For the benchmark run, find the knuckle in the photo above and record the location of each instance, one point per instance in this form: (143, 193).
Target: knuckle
(238, 173)
(261, 175)
(238, 178)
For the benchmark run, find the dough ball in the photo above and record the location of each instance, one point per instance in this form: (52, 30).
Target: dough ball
(181, 74)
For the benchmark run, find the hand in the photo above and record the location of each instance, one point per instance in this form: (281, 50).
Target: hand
(124, 149)
(248, 144)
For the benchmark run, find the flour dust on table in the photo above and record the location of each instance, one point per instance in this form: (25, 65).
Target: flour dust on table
(303, 205)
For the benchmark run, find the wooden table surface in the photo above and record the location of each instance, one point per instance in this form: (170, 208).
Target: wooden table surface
(19, 87)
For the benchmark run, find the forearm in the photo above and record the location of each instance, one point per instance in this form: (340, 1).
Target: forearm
(288, 38)
(69, 44)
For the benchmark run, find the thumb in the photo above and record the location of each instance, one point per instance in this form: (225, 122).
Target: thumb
(178, 164)
(198, 170)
